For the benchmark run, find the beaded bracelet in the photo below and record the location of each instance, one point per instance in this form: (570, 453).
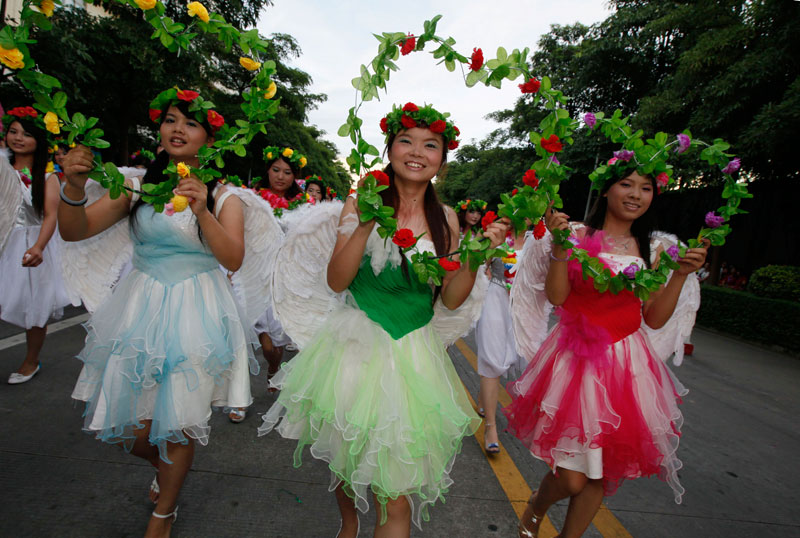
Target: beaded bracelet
(558, 259)
(68, 201)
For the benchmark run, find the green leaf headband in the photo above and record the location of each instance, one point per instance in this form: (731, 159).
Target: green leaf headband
(410, 116)
(203, 110)
(471, 205)
(273, 152)
(316, 178)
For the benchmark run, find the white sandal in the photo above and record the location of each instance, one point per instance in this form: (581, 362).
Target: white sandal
(154, 489)
(173, 515)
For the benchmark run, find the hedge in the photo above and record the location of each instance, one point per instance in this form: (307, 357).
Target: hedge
(747, 316)
(777, 282)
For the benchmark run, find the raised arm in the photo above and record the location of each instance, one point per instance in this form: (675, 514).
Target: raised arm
(349, 249)
(661, 304)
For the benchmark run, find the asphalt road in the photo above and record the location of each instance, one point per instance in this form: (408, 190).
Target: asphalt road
(740, 450)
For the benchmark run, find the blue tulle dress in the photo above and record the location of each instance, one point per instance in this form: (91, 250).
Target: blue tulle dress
(168, 344)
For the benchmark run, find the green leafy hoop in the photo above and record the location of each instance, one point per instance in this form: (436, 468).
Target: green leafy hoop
(258, 105)
(531, 200)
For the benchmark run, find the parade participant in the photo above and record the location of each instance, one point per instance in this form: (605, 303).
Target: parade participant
(32, 291)
(315, 187)
(283, 170)
(170, 341)
(373, 390)
(470, 213)
(596, 402)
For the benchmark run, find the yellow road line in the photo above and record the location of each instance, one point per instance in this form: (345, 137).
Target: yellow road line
(514, 484)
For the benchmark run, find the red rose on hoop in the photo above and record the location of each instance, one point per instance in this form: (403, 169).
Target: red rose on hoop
(552, 144)
(530, 178)
(380, 177)
(409, 44)
(453, 144)
(488, 218)
(215, 119)
(154, 114)
(187, 95)
(449, 265)
(410, 107)
(539, 230)
(384, 125)
(476, 61)
(404, 238)
(408, 122)
(532, 86)
(438, 126)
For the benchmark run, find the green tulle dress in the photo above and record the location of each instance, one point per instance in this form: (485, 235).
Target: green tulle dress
(375, 394)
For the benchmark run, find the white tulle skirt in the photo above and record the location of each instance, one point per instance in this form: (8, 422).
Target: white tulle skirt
(29, 296)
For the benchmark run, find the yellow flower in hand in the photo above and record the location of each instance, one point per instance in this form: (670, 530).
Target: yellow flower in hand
(51, 123)
(183, 170)
(196, 9)
(179, 203)
(12, 58)
(249, 63)
(271, 91)
(47, 7)
(303, 162)
(288, 152)
(146, 4)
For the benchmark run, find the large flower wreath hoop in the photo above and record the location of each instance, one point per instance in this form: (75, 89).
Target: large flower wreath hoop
(258, 104)
(540, 184)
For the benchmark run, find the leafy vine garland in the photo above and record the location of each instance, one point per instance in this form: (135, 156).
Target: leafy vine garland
(258, 104)
(540, 184)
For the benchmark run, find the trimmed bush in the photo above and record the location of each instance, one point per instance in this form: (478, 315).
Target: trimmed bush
(748, 316)
(777, 282)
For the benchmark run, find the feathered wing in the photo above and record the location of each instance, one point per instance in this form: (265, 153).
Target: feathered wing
(93, 267)
(262, 240)
(10, 198)
(669, 339)
(300, 294)
(453, 324)
(530, 309)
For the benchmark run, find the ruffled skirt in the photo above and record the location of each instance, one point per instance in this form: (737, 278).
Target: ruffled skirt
(614, 416)
(385, 414)
(494, 336)
(29, 296)
(165, 353)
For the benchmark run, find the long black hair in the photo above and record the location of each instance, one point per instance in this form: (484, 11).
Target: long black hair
(641, 228)
(435, 216)
(155, 170)
(40, 158)
(294, 189)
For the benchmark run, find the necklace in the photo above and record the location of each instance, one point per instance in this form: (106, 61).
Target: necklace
(619, 244)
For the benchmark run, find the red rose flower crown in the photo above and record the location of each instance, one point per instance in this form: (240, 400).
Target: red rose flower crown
(202, 109)
(410, 115)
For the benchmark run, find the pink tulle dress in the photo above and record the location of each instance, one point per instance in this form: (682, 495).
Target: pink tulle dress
(596, 398)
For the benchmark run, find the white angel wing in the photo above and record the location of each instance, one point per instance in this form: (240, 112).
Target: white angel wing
(530, 309)
(669, 339)
(93, 267)
(10, 197)
(453, 324)
(262, 239)
(300, 295)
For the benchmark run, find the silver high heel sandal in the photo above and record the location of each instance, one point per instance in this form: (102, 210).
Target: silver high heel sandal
(173, 515)
(358, 527)
(536, 520)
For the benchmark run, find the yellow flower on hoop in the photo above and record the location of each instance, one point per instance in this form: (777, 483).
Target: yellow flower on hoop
(183, 170)
(47, 7)
(146, 4)
(51, 123)
(249, 64)
(271, 90)
(12, 58)
(196, 9)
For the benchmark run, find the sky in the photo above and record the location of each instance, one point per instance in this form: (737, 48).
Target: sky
(336, 38)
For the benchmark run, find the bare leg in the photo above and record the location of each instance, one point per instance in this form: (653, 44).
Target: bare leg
(552, 489)
(35, 340)
(582, 509)
(398, 522)
(170, 480)
(272, 355)
(490, 386)
(347, 508)
(143, 449)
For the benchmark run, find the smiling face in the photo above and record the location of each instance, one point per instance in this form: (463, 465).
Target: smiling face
(630, 197)
(472, 217)
(280, 177)
(416, 154)
(181, 136)
(314, 191)
(19, 140)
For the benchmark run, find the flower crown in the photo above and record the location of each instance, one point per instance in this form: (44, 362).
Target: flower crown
(203, 110)
(410, 116)
(273, 152)
(313, 177)
(49, 123)
(471, 205)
